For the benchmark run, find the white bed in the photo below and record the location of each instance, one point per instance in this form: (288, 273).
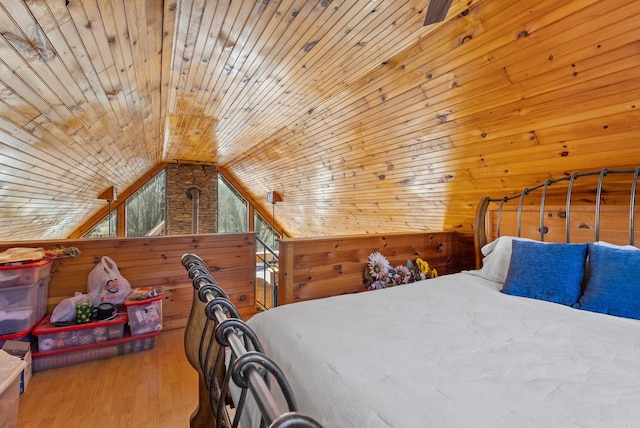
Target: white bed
(408, 356)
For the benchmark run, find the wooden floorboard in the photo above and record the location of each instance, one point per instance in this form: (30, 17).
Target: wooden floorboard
(154, 388)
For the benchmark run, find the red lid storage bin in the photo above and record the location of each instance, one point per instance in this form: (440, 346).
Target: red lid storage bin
(21, 336)
(22, 306)
(81, 354)
(24, 273)
(52, 337)
(145, 316)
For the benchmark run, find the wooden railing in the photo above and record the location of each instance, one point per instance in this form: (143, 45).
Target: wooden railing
(155, 261)
(311, 268)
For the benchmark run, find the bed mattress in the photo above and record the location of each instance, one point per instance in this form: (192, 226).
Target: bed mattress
(454, 352)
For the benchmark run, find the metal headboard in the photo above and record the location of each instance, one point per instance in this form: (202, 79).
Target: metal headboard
(479, 225)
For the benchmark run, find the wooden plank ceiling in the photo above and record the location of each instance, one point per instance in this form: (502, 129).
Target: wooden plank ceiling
(362, 118)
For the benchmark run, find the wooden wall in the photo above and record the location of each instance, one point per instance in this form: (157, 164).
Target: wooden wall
(614, 224)
(362, 118)
(312, 268)
(156, 262)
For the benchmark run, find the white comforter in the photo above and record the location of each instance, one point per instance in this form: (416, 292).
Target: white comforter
(454, 352)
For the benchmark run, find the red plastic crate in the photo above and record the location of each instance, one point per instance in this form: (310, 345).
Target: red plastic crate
(52, 337)
(145, 316)
(24, 273)
(21, 336)
(97, 351)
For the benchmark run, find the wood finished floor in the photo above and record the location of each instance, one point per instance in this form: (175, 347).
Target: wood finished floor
(154, 388)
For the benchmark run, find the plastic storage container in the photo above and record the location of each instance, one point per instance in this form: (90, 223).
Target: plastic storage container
(21, 336)
(22, 306)
(10, 369)
(24, 274)
(82, 354)
(145, 316)
(61, 337)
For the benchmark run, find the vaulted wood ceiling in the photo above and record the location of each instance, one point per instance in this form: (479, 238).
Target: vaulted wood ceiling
(362, 118)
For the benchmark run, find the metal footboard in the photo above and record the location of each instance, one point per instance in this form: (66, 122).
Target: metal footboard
(249, 368)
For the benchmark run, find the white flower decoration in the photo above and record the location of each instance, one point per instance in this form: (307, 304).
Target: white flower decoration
(378, 266)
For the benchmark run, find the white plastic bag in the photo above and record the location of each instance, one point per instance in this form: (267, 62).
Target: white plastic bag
(66, 309)
(106, 284)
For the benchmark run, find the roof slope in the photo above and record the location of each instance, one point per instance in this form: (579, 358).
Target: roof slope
(362, 118)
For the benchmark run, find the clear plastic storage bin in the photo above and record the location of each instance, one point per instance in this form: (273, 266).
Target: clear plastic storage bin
(61, 337)
(22, 306)
(145, 315)
(81, 354)
(24, 274)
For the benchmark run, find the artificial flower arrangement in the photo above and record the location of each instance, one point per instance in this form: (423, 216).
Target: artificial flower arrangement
(380, 274)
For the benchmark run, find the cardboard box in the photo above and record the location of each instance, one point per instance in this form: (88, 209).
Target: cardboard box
(21, 336)
(21, 350)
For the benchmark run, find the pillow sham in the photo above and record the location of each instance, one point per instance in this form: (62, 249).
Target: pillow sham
(620, 247)
(546, 271)
(495, 264)
(613, 281)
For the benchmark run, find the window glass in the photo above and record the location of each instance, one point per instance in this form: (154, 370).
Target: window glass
(233, 209)
(266, 234)
(145, 208)
(101, 229)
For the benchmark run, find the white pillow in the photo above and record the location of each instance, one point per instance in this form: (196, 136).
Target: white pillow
(497, 255)
(619, 247)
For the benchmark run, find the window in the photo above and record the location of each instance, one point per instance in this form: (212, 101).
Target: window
(265, 233)
(145, 211)
(233, 209)
(145, 208)
(101, 229)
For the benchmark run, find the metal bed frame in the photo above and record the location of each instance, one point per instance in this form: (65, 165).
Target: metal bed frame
(253, 371)
(480, 234)
(249, 368)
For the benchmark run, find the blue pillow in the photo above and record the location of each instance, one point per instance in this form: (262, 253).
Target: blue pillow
(546, 271)
(613, 282)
